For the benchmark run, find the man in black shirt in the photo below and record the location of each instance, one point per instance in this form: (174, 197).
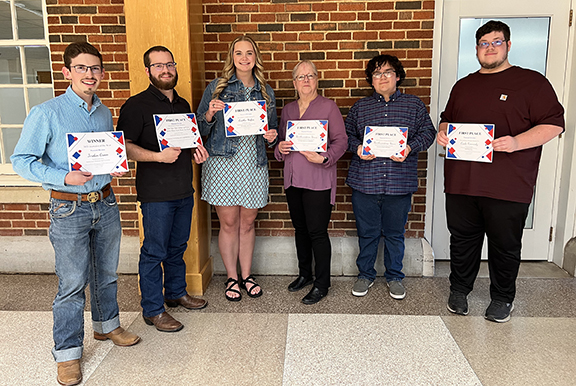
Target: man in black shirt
(164, 189)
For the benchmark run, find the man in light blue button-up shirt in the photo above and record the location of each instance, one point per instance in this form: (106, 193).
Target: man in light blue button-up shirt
(85, 228)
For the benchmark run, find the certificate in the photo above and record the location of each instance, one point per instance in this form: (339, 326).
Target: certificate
(97, 153)
(177, 130)
(470, 142)
(245, 118)
(384, 141)
(307, 135)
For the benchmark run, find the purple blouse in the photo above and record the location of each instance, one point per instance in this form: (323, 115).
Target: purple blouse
(298, 171)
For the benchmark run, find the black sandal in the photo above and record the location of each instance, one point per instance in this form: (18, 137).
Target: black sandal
(250, 280)
(229, 288)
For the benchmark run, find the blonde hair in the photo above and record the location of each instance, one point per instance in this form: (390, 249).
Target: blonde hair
(230, 70)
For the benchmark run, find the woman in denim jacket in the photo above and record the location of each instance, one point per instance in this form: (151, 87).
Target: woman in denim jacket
(235, 179)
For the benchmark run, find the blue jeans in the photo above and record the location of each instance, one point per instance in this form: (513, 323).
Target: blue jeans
(162, 268)
(380, 215)
(86, 240)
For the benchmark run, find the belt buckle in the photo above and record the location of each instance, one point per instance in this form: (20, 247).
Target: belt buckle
(92, 197)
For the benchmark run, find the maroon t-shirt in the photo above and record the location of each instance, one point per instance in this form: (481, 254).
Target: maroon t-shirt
(515, 100)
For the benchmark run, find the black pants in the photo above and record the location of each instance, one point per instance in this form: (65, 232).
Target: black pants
(469, 219)
(310, 212)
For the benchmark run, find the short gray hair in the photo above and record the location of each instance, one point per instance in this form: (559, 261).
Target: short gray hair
(297, 66)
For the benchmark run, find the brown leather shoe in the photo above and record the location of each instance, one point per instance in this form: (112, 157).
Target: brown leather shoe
(119, 336)
(187, 301)
(69, 372)
(164, 322)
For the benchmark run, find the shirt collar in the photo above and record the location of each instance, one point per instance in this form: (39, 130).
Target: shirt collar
(233, 79)
(158, 94)
(393, 97)
(76, 100)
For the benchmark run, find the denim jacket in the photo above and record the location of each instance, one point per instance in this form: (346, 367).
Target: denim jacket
(217, 143)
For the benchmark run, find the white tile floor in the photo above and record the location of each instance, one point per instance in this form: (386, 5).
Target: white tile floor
(303, 349)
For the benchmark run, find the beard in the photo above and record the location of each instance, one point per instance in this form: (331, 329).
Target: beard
(493, 65)
(163, 85)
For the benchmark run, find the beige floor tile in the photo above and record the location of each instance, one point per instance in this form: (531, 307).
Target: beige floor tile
(26, 341)
(523, 351)
(212, 349)
(373, 350)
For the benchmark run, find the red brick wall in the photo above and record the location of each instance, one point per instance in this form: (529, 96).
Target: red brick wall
(339, 36)
(100, 23)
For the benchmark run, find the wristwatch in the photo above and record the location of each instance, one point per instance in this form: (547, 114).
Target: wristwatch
(325, 160)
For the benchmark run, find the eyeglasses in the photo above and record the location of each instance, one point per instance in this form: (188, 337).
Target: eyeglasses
(82, 69)
(387, 74)
(300, 78)
(160, 66)
(495, 43)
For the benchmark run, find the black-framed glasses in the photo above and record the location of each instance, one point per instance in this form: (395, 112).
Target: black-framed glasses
(387, 74)
(160, 66)
(300, 78)
(82, 69)
(495, 43)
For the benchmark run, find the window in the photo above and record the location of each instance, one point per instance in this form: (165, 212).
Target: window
(25, 70)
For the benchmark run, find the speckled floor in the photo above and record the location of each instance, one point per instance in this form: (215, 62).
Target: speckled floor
(343, 340)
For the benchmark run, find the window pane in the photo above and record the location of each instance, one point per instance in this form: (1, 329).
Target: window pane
(10, 137)
(38, 65)
(529, 43)
(10, 67)
(12, 109)
(30, 20)
(39, 95)
(5, 21)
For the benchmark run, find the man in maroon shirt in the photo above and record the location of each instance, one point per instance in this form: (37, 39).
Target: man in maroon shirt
(492, 199)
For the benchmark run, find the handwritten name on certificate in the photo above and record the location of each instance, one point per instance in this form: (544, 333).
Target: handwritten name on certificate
(307, 135)
(177, 130)
(97, 153)
(245, 118)
(470, 142)
(384, 141)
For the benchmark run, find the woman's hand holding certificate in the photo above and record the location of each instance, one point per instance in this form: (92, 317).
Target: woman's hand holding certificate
(245, 118)
(307, 135)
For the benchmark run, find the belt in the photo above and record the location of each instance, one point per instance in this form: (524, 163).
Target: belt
(90, 197)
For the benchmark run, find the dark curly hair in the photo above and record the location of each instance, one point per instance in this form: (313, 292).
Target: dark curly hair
(379, 61)
(493, 26)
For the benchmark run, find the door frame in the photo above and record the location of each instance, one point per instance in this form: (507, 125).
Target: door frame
(564, 197)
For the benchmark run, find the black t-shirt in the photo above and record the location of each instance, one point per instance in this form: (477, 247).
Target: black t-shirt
(156, 181)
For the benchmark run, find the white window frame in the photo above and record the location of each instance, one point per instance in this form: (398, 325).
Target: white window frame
(7, 176)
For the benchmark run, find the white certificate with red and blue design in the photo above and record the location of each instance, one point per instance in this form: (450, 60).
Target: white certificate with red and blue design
(307, 135)
(97, 153)
(177, 130)
(245, 118)
(470, 142)
(384, 141)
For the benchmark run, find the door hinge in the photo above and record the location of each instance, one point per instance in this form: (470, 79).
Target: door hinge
(551, 232)
(571, 15)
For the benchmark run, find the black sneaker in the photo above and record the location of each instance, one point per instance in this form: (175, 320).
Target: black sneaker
(499, 311)
(458, 303)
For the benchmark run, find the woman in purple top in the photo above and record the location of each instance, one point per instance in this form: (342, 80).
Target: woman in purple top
(310, 181)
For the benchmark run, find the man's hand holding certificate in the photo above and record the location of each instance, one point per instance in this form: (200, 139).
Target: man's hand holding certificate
(245, 118)
(177, 130)
(307, 135)
(97, 153)
(470, 142)
(383, 141)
